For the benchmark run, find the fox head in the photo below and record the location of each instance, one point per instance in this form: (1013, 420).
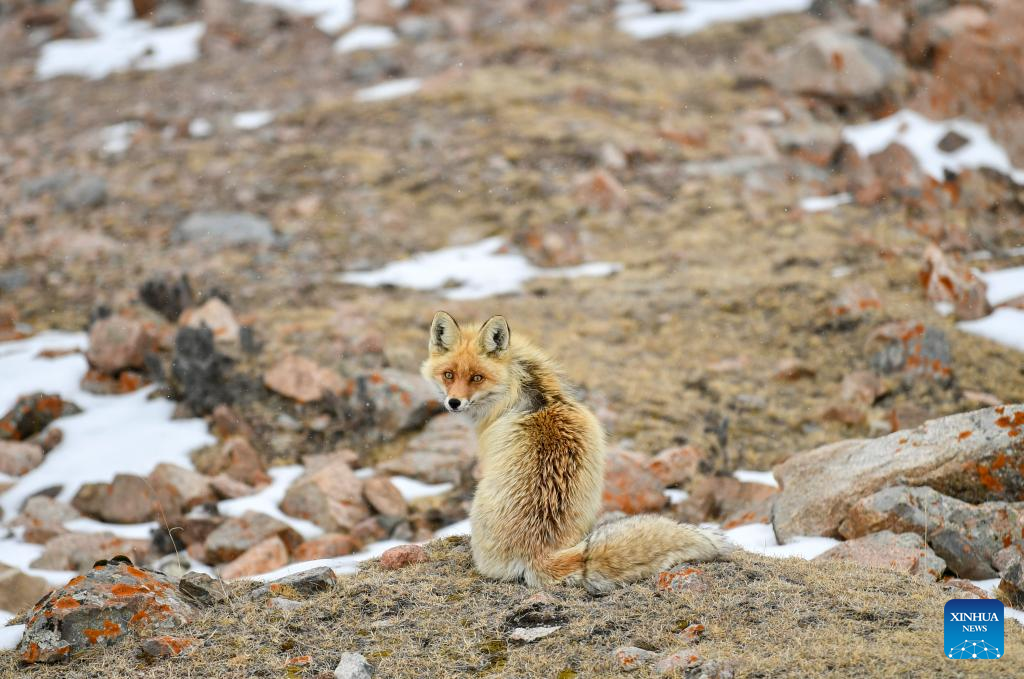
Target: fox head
(469, 366)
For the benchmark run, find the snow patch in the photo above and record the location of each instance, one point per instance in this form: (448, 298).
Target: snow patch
(391, 89)
(127, 434)
(697, 15)
(331, 15)
(116, 139)
(921, 137)
(411, 489)
(10, 636)
(252, 120)
(122, 43)
(760, 538)
(824, 203)
(1004, 284)
(675, 496)
(132, 531)
(1004, 325)
(472, 271)
(748, 476)
(366, 38)
(458, 528)
(200, 128)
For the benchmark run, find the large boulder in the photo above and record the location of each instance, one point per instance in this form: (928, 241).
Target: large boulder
(99, 608)
(832, 63)
(975, 457)
(966, 535)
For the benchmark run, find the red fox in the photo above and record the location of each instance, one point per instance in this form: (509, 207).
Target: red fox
(542, 455)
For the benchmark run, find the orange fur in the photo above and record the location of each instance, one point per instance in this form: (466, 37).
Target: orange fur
(542, 460)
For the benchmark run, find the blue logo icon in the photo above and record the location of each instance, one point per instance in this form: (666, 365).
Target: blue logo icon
(974, 629)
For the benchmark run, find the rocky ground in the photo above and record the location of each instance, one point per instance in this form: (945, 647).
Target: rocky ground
(433, 616)
(204, 253)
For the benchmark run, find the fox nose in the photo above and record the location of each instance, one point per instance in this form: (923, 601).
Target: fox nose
(454, 403)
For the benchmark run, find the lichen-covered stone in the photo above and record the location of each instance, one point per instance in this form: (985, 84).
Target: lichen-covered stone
(968, 536)
(32, 413)
(975, 457)
(99, 608)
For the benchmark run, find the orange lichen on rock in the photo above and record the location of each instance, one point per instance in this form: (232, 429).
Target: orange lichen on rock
(111, 630)
(66, 602)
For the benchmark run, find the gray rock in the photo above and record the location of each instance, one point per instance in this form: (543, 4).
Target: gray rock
(967, 536)
(33, 188)
(202, 589)
(84, 191)
(905, 552)
(975, 457)
(306, 583)
(74, 190)
(353, 666)
(832, 63)
(531, 634)
(421, 28)
(13, 279)
(224, 229)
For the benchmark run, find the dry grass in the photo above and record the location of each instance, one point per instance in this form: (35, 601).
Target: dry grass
(764, 617)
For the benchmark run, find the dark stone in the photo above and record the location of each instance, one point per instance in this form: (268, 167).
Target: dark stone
(200, 373)
(952, 141)
(166, 295)
(33, 413)
(202, 589)
(306, 583)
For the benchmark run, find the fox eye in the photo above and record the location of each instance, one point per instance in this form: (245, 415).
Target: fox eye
(477, 378)
(449, 375)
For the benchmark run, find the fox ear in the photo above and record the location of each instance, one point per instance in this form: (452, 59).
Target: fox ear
(494, 336)
(444, 333)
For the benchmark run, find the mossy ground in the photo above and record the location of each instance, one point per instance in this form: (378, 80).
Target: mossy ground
(763, 617)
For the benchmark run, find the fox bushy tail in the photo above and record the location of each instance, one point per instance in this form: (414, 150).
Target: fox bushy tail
(633, 548)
